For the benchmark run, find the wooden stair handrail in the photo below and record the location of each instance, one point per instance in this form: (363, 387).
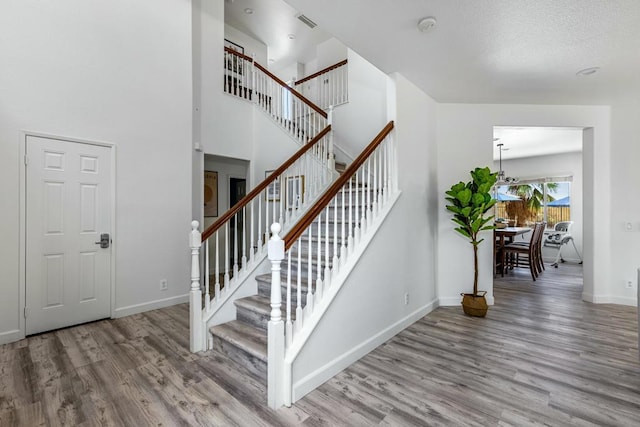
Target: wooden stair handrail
(280, 82)
(316, 209)
(324, 70)
(241, 55)
(264, 184)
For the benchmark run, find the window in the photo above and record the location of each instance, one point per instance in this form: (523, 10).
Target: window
(534, 201)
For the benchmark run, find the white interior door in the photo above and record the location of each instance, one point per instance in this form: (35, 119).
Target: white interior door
(68, 208)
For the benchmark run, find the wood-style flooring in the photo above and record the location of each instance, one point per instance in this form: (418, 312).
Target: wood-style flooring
(541, 357)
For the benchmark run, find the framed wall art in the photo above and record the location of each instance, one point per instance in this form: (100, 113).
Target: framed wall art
(210, 193)
(294, 191)
(273, 190)
(234, 63)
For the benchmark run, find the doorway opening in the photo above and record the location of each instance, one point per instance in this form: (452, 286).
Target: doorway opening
(542, 182)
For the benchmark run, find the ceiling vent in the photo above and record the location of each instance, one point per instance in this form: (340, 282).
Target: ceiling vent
(308, 22)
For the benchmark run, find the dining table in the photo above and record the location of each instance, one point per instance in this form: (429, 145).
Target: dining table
(504, 236)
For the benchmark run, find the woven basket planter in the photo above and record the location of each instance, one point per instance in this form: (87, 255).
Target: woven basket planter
(475, 305)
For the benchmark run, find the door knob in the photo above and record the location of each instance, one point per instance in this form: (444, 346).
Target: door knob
(104, 241)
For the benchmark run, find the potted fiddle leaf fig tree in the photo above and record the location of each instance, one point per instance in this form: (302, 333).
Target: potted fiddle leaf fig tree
(469, 202)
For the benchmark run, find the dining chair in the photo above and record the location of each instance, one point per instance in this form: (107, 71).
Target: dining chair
(539, 262)
(525, 254)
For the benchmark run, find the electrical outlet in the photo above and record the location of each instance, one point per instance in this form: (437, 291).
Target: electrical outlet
(164, 285)
(629, 284)
(406, 299)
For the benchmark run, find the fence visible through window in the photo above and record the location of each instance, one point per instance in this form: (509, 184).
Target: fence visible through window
(525, 203)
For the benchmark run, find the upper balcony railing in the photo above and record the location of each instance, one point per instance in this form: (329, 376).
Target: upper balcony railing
(247, 79)
(327, 87)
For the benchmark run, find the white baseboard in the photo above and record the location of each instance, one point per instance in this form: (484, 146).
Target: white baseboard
(324, 373)
(609, 299)
(11, 336)
(151, 305)
(457, 301)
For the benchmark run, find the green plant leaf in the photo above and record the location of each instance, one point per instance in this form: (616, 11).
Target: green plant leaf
(464, 196)
(463, 232)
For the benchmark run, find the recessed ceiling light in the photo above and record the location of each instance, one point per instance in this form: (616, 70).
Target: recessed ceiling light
(427, 24)
(248, 11)
(588, 71)
(291, 36)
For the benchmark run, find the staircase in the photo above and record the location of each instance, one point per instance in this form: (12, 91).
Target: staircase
(328, 228)
(245, 339)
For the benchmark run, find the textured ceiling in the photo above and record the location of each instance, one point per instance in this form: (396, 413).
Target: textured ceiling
(495, 51)
(272, 22)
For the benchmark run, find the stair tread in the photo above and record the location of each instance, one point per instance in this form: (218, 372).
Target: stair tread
(251, 339)
(256, 303)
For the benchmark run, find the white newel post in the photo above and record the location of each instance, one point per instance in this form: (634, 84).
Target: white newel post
(196, 339)
(332, 157)
(275, 344)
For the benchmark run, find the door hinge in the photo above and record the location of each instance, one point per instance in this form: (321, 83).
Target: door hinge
(26, 311)
(26, 160)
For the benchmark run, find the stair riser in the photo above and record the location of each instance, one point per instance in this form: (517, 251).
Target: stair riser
(323, 231)
(304, 270)
(264, 289)
(256, 366)
(303, 248)
(253, 318)
(258, 319)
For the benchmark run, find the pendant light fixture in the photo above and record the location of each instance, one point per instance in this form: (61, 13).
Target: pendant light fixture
(502, 179)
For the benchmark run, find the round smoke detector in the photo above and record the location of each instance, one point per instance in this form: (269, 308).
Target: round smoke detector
(427, 24)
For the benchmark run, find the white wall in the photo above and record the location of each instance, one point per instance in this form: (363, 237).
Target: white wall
(357, 122)
(565, 164)
(400, 260)
(625, 202)
(465, 132)
(328, 53)
(251, 46)
(218, 117)
(117, 72)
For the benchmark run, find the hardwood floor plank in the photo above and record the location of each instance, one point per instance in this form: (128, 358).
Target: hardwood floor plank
(541, 357)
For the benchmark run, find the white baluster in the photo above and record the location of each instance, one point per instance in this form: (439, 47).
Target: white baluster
(289, 325)
(226, 256)
(276, 340)
(281, 200)
(351, 210)
(327, 270)
(196, 338)
(235, 248)
(343, 247)
(363, 218)
(309, 304)
(319, 278)
(252, 253)
(356, 198)
(332, 157)
(207, 297)
(260, 222)
(298, 324)
(244, 237)
(369, 202)
(335, 264)
(374, 208)
(216, 289)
